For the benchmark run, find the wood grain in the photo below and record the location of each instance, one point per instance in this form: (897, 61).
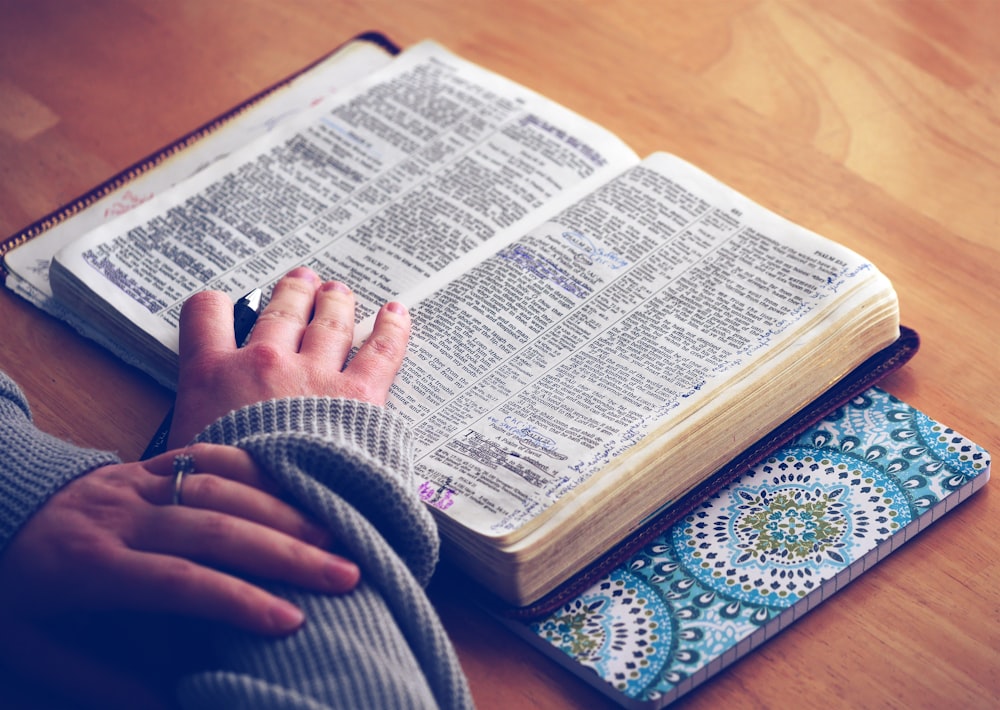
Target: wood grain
(876, 122)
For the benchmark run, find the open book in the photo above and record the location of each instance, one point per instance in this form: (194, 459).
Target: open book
(594, 334)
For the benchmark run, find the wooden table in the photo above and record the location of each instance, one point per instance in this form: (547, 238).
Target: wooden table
(874, 122)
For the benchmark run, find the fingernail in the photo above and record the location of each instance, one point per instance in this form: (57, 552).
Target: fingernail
(304, 272)
(286, 616)
(336, 286)
(396, 307)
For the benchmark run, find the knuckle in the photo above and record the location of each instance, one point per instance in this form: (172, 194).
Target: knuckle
(357, 390)
(262, 358)
(202, 448)
(386, 346)
(202, 488)
(295, 555)
(108, 496)
(338, 326)
(280, 315)
(361, 389)
(178, 576)
(97, 550)
(217, 527)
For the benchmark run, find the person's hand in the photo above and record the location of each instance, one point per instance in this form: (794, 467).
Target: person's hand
(112, 539)
(298, 347)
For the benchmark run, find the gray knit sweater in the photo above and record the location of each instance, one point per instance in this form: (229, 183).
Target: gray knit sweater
(349, 464)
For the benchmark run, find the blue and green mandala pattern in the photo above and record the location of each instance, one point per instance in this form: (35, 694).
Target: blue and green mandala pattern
(765, 542)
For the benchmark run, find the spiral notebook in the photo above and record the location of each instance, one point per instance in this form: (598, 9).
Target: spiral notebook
(762, 552)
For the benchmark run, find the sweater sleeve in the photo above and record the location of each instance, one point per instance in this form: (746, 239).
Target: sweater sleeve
(33, 464)
(350, 465)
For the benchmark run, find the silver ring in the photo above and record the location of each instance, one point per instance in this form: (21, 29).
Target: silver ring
(183, 465)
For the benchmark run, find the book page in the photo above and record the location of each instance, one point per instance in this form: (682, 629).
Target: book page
(28, 265)
(540, 366)
(381, 187)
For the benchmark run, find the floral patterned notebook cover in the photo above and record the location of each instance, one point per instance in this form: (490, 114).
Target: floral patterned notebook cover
(765, 550)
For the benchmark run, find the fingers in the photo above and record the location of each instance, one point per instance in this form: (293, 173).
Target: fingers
(184, 587)
(213, 493)
(226, 480)
(206, 322)
(229, 461)
(381, 355)
(112, 539)
(239, 545)
(227, 521)
(284, 319)
(306, 316)
(331, 330)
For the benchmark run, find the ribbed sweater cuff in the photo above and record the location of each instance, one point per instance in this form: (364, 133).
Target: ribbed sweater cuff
(33, 465)
(358, 452)
(347, 423)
